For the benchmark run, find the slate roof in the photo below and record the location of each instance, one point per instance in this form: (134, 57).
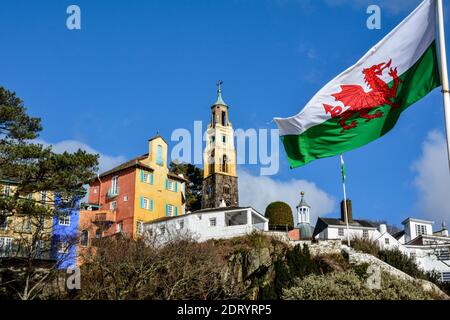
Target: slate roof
(399, 234)
(354, 223)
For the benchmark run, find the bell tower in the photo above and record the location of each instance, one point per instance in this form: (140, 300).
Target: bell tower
(219, 173)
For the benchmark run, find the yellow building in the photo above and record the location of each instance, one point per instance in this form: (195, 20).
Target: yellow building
(19, 232)
(143, 189)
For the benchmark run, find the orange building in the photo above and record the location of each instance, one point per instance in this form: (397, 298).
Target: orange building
(122, 199)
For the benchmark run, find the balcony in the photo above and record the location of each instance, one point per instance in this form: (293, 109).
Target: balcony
(112, 192)
(104, 219)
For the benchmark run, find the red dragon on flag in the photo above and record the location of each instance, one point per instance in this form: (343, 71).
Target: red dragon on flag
(359, 101)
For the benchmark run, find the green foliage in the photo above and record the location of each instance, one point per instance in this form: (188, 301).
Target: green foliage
(279, 215)
(350, 286)
(402, 262)
(365, 245)
(296, 262)
(194, 175)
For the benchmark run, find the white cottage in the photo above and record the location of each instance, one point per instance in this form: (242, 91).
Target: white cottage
(205, 224)
(332, 228)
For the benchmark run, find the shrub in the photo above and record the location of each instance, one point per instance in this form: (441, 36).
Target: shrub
(349, 286)
(401, 261)
(365, 245)
(279, 215)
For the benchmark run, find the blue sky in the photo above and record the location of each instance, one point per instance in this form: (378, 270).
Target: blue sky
(138, 67)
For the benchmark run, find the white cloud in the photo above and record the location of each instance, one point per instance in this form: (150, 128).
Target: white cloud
(433, 179)
(259, 191)
(106, 162)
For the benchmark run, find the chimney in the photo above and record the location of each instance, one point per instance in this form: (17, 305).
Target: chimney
(382, 228)
(444, 231)
(349, 211)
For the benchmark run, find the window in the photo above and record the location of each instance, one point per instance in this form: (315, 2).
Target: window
(171, 185)
(113, 205)
(169, 210)
(159, 157)
(443, 254)
(98, 234)
(7, 190)
(140, 228)
(3, 223)
(224, 163)
(125, 198)
(84, 238)
(212, 222)
(146, 177)
(365, 233)
(224, 118)
(95, 190)
(181, 224)
(64, 220)
(224, 139)
(421, 229)
(445, 276)
(162, 229)
(26, 227)
(226, 189)
(412, 255)
(40, 248)
(43, 196)
(146, 203)
(115, 186)
(341, 232)
(119, 227)
(63, 247)
(386, 240)
(5, 246)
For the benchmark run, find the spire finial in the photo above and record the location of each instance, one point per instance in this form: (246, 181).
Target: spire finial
(219, 99)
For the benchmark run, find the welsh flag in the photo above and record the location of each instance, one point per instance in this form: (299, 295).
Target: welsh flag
(365, 101)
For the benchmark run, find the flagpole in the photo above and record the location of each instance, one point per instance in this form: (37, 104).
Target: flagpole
(345, 199)
(444, 74)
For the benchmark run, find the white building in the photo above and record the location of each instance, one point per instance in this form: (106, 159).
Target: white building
(431, 251)
(205, 224)
(332, 228)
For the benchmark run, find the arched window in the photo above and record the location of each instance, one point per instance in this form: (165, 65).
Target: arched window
(211, 162)
(159, 157)
(224, 163)
(84, 238)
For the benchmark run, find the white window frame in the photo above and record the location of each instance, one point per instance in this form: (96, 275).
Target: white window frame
(125, 198)
(113, 205)
(170, 210)
(27, 225)
(64, 220)
(115, 185)
(5, 242)
(365, 233)
(421, 229)
(63, 247)
(43, 196)
(119, 227)
(146, 203)
(6, 190)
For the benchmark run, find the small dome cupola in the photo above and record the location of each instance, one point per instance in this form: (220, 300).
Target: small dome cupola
(303, 210)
